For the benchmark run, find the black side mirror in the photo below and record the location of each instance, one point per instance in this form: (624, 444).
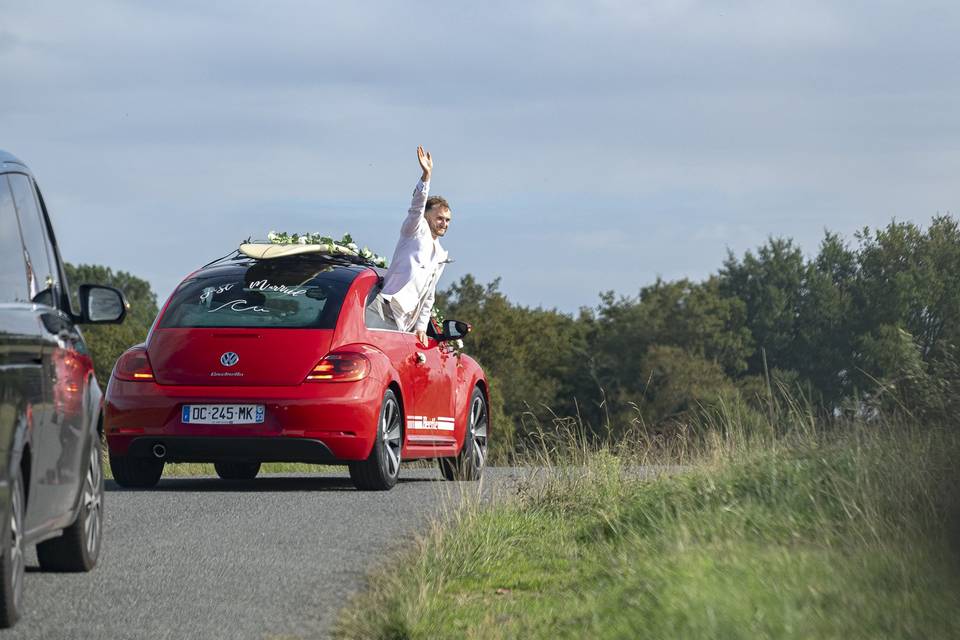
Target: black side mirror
(454, 330)
(102, 305)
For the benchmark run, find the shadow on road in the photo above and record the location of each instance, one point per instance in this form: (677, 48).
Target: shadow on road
(266, 485)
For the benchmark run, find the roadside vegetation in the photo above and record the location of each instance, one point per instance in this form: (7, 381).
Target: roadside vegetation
(780, 528)
(806, 412)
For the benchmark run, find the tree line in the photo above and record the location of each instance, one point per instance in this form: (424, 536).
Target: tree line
(866, 325)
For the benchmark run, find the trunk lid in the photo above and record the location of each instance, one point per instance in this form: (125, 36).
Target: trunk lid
(262, 357)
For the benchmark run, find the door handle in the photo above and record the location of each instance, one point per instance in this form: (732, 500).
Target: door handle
(420, 357)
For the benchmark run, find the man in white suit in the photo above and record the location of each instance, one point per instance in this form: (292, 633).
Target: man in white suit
(411, 281)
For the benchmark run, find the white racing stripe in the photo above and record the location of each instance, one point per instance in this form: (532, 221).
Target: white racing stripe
(419, 423)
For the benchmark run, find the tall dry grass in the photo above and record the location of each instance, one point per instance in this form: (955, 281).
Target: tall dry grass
(732, 522)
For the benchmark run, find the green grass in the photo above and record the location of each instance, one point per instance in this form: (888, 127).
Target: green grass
(847, 534)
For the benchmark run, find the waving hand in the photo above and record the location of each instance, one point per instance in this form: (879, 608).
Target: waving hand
(426, 163)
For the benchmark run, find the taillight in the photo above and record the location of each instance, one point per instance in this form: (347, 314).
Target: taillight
(134, 365)
(340, 367)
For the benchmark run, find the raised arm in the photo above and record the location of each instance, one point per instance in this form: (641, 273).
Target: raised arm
(415, 217)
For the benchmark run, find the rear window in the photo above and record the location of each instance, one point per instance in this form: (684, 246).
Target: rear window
(299, 295)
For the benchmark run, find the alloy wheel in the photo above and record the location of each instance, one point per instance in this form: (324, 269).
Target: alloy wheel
(478, 431)
(16, 542)
(390, 436)
(93, 502)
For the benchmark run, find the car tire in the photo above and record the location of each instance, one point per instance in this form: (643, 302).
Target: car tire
(79, 547)
(136, 473)
(11, 558)
(469, 463)
(380, 471)
(237, 470)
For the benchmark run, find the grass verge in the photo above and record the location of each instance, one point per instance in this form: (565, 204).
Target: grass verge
(850, 534)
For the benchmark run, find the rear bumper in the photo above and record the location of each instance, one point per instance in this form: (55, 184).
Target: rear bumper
(311, 422)
(199, 449)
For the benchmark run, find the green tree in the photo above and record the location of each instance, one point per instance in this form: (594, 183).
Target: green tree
(907, 293)
(826, 322)
(699, 319)
(911, 278)
(692, 317)
(678, 382)
(771, 285)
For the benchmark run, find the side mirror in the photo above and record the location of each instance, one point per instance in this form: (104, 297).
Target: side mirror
(102, 305)
(454, 330)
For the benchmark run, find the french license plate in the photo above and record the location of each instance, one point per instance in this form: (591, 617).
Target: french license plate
(222, 413)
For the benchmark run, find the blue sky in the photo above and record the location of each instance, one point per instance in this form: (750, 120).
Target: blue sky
(584, 146)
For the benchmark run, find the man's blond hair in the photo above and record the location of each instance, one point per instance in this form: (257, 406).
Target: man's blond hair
(437, 201)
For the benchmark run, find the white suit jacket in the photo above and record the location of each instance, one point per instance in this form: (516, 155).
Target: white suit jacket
(418, 262)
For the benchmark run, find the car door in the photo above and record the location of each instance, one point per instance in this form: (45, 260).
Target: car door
(58, 434)
(435, 394)
(22, 379)
(425, 381)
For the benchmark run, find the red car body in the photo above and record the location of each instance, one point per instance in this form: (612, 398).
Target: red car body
(307, 418)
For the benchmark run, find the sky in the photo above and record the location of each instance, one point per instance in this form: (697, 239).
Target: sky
(583, 146)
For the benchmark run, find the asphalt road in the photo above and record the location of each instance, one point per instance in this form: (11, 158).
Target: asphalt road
(205, 558)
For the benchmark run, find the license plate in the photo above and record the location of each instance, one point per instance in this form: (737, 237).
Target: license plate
(222, 413)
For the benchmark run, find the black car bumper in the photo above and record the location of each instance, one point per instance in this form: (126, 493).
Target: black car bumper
(199, 449)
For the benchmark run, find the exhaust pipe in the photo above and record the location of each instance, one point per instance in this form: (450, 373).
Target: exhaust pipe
(159, 451)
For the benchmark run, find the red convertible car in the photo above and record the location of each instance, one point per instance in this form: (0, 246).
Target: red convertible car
(292, 360)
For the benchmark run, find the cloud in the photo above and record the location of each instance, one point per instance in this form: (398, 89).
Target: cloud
(666, 131)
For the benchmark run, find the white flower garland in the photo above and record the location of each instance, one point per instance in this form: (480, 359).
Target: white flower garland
(281, 237)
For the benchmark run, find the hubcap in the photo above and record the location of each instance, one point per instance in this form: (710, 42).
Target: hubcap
(16, 541)
(478, 431)
(92, 502)
(390, 436)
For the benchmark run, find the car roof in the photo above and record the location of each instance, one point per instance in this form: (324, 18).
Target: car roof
(343, 271)
(8, 161)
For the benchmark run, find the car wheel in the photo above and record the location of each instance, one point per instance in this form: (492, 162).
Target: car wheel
(237, 470)
(136, 473)
(380, 471)
(79, 546)
(11, 558)
(468, 465)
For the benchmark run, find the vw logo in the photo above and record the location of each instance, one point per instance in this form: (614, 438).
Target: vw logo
(229, 359)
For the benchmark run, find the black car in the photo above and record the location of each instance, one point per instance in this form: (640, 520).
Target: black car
(51, 480)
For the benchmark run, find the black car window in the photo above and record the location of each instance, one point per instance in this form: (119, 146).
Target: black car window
(289, 295)
(13, 273)
(41, 272)
(377, 313)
